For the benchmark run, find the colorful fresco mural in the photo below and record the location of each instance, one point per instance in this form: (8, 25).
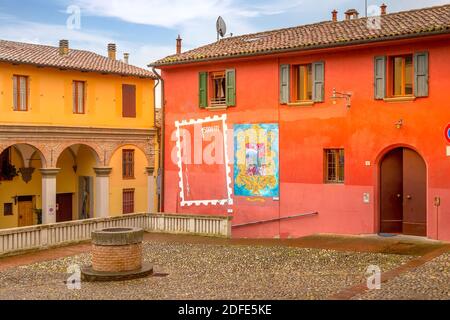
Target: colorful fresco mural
(256, 163)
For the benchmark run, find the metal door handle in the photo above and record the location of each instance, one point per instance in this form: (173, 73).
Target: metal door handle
(408, 197)
(399, 195)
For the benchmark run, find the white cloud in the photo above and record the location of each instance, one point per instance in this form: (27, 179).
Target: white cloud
(194, 19)
(174, 13)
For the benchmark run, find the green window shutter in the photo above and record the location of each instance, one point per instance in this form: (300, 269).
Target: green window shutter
(318, 69)
(203, 89)
(231, 87)
(284, 83)
(380, 78)
(421, 74)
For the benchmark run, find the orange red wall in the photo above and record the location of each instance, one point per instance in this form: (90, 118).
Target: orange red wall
(366, 131)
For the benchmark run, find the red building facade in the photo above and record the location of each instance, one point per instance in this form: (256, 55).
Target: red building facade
(359, 117)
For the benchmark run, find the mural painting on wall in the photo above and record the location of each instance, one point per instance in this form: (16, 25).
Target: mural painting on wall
(203, 162)
(256, 164)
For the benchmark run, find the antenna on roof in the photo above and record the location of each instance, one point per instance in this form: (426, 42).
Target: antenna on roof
(221, 27)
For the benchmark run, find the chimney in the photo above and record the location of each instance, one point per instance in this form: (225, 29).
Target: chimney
(351, 14)
(126, 57)
(334, 13)
(112, 51)
(179, 41)
(63, 47)
(383, 9)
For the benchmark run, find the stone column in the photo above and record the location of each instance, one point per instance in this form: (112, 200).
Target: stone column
(102, 192)
(151, 190)
(49, 194)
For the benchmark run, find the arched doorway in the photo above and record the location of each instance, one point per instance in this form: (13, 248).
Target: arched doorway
(403, 180)
(75, 183)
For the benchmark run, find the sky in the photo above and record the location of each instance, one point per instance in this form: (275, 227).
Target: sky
(147, 29)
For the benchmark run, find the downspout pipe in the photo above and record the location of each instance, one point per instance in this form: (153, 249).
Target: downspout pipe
(162, 139)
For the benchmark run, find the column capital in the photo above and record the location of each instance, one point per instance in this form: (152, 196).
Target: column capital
(49, 172)
(150, 170)
(103, 171)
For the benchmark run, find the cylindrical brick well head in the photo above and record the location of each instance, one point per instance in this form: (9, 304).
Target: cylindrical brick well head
(117, 249)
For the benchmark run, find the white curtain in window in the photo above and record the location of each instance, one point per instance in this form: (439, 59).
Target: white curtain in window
(80, 97)
(23, 93)
(16, 107)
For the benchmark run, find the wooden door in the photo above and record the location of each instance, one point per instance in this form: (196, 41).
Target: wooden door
(63, 207)
(391, 192)
(26, 212)
(414, 194)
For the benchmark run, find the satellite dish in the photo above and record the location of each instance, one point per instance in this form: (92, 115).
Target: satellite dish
(221, 28)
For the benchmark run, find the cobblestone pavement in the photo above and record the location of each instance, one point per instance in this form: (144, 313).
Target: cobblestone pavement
(208, 271)
(429, 281)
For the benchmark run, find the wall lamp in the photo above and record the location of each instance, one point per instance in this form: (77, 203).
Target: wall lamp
(339, 95)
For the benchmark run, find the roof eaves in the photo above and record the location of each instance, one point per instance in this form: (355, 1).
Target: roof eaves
(306, 48)
(49, 65)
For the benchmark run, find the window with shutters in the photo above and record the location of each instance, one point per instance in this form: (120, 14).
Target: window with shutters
(128, 201)
(129, 101)
(334, 165)
(402, 77)
(303, 83)
(128, 164)
(79, 97)
(217, 89)
(20, 94)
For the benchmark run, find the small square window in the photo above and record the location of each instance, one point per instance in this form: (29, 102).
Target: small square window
(334, 165)
(8, 209)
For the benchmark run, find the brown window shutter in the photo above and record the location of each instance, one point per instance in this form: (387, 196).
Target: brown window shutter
(128, 201)
(128, 101)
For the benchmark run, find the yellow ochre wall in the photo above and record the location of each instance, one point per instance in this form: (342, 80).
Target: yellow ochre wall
(50, 103)
(17, 187)
(117, 183)
(50, 100)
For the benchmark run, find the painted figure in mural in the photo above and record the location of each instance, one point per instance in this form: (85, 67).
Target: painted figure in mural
(256, 160)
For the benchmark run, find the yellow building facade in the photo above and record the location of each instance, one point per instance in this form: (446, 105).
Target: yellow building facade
(77, 135)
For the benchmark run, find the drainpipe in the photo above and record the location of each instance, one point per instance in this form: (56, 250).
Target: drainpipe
(162, 140)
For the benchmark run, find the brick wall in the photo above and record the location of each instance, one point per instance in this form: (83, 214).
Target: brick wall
(117, 258)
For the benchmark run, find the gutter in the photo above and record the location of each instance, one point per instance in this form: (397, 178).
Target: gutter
(308, 48)
(162, 136)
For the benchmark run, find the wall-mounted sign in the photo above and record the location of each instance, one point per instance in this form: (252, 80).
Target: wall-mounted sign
(447, 133)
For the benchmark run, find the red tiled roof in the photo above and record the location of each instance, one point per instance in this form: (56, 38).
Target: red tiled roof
(47, 56)
(413, 23)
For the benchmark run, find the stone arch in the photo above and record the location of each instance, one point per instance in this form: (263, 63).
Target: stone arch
(37, 150)
(140, 146)
(94, 149)
(384, 151)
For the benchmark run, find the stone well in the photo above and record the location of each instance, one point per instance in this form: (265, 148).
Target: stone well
(117, 255)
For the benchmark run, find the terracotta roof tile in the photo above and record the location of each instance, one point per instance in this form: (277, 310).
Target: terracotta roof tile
(47, 56)
(413, 23)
